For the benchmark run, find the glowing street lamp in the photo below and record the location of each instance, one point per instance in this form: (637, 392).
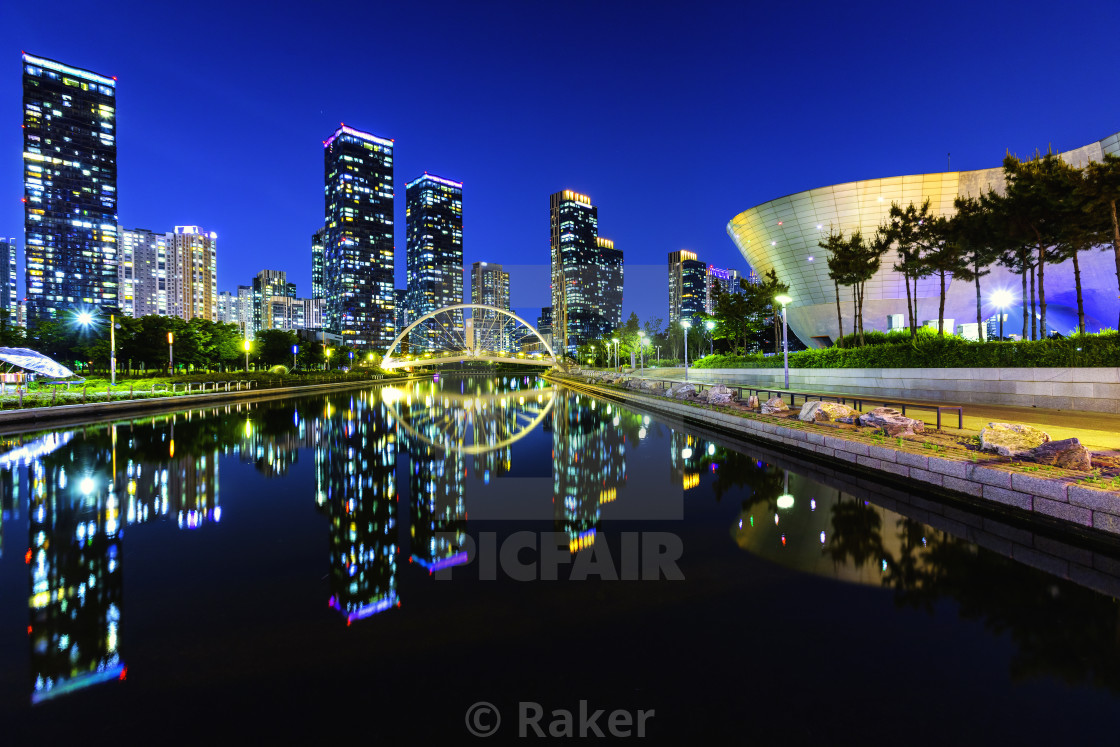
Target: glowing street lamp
(1002, 299)
(171, 352)
(328, 352)
(783, 300)
(615, 341)
(686, 324)
(246, 344)
(710, 325)
(642, 350)
(295, 350)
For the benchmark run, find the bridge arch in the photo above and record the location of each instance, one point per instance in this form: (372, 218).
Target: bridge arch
(460, 349)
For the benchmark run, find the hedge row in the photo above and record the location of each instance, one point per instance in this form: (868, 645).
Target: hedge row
(1088, 351)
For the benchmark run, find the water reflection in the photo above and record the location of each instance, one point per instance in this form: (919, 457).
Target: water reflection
(84, 487)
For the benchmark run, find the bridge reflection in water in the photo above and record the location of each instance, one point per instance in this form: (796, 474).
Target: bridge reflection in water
(78, 490)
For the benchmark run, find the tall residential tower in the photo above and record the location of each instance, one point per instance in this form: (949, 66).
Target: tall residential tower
(69, 187)
(586, 273)
(434, 255)
(358, 253)
(687, 286)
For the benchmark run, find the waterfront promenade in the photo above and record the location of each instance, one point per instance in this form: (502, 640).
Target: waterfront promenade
(1098, 431)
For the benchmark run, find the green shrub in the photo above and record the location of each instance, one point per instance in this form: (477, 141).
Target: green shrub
(931, 351)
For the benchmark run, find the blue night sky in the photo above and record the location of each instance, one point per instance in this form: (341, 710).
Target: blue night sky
(673, 117)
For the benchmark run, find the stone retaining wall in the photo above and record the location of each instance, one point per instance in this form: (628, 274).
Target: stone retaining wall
(1085, 389)
(997, 484)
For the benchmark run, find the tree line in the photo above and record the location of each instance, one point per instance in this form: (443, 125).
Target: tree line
(1050, 212)
(143, 345)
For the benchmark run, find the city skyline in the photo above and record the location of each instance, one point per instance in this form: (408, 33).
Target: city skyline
(737, 150)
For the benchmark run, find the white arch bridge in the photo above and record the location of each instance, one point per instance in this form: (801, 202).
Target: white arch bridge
(494, 336)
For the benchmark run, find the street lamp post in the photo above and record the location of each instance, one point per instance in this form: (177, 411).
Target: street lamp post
(327, 365)
(685, 324)
(615, 341)
(1002, 300)
(295, 350)
(710, 325)
(351, 359)
(658, 354)
(171, 352)
(642, 351)
(112, 350)
(246, 345)
(783, 300)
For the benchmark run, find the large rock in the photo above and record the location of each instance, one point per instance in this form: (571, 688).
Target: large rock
(680, 391)
(825, 411)
(752, 402)
(703, 395)
(893, 422)
(1067, 453)
(774, 406)
(722, 395)
(1007, 439)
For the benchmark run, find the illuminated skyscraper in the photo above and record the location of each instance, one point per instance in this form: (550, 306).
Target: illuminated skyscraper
(434, 254)
(490, 286)
(227, 308)
(147, 276)
(586, 273)
(687, 286)
(269, 286)
(195, 255)
(609, 290)
(318, 241)
(69, 186)
(9, 306)
(720, 281)
(358, 254)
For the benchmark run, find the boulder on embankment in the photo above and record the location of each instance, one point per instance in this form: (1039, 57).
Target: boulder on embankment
(774, 406)
(722, 395)
(892, 422)
(1067, 453)
(822, 412)
(1011, 439)
(680, 391)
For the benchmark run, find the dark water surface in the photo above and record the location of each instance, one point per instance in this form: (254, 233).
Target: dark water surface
(346, 568)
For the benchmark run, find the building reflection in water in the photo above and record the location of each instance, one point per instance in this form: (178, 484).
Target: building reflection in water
(83, 486)
(355, 459)
(589, 446)
(74, 559)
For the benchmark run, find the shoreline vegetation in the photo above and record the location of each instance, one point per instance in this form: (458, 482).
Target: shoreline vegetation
(929, 350)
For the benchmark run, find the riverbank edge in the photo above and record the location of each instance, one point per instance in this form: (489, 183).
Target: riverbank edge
(96, 410)
(1027, 495)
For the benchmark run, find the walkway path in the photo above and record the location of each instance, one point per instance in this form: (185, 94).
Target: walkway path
(1097, 431)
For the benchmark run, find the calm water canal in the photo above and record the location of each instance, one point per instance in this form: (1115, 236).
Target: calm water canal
(370, 564)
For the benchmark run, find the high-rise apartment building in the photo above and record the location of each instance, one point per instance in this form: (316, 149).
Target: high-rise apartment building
(290, 314)
(490, 286)
(318, 241)
(269, 287)
(228, 313)
(434, 256)
(609, 290)
(245, 308)
(69, 186)
(358, 253)
(9, 305)
(687, 286)
(195, 254)
(719, 281)
(147, 274)
(401, 313)
(586, 273)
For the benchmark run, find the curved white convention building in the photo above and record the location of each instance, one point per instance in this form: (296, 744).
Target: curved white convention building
(783, 234)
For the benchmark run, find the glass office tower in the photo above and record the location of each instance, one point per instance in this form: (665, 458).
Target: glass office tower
(9, 305)
(70, 187)
(586, 273)
(688, 283)
(358, 254)
(434, 255)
